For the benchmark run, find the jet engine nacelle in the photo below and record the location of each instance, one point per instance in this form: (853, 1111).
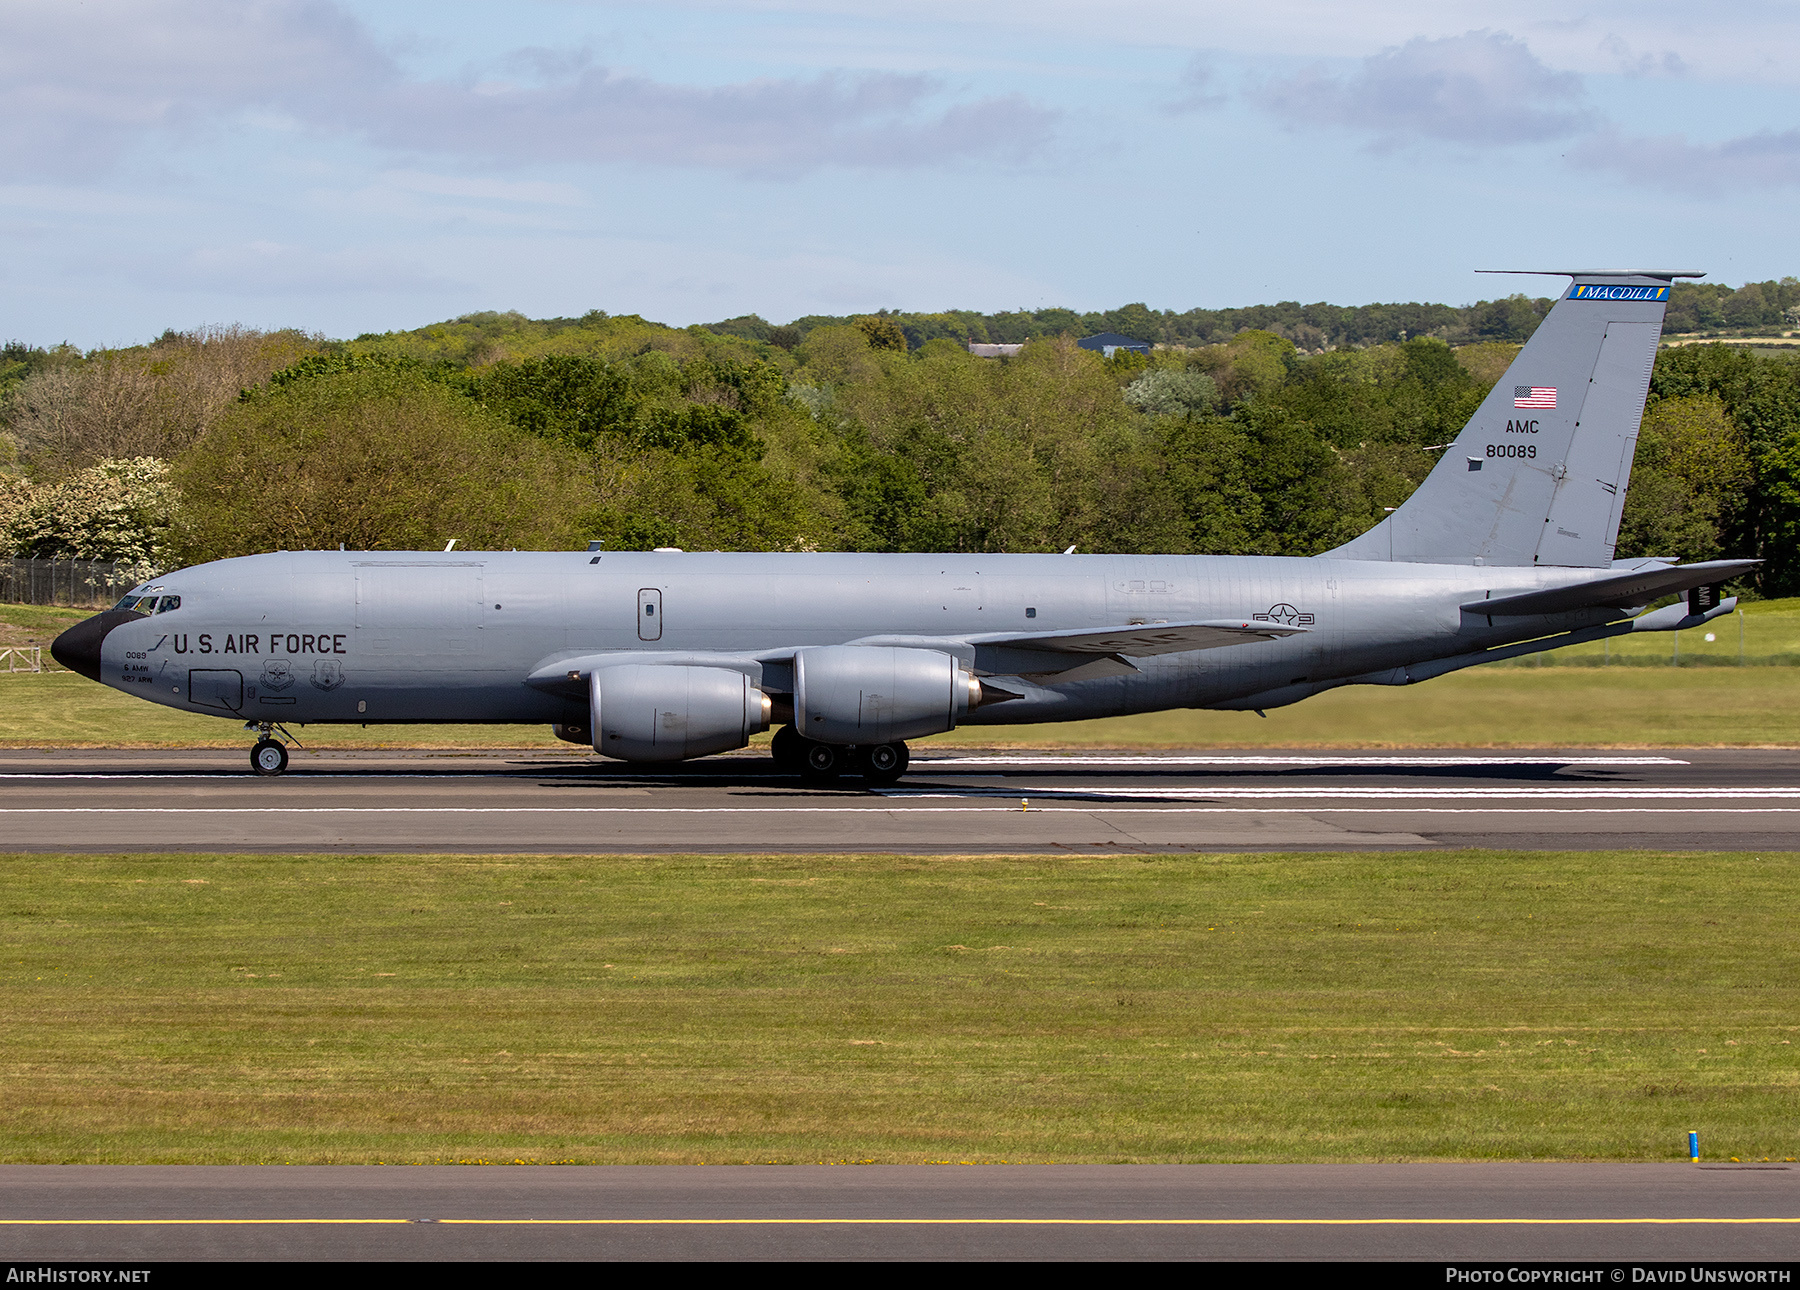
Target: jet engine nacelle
(874, 694)
(667, 713)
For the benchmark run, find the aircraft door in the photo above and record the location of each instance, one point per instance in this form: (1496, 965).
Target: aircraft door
(419, 607)
(649, 614)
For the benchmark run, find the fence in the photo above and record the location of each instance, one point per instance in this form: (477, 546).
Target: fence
(77, 584)
(23, 658)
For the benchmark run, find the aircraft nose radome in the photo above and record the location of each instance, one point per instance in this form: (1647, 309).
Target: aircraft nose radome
(78, 649)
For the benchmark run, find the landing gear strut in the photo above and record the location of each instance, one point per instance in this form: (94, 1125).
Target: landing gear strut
(268, 757)
(788, 749)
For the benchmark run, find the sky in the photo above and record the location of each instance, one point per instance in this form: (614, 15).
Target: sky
(344, 166)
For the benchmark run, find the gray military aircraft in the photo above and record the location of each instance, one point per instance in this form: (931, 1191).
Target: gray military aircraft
(1506, 549)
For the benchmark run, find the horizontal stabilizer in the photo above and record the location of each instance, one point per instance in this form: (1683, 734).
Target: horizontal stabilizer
(1140, 640)
(1619, 590)
(1678, 617)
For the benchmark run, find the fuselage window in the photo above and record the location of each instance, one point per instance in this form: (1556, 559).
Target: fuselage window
(167, 603)
(649, 611)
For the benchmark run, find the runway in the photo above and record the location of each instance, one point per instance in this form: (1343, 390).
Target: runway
(949, 802)
(1433, 1212)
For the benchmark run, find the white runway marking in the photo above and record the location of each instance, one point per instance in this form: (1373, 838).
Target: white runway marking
(1379, 793)
(961, 766)
(310, 777)
(1094, 809)
(1261, 759)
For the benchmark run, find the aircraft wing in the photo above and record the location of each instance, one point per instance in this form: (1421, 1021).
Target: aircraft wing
(1075, 654)
(1087, 653)
(1139, 640)
(1621, 590)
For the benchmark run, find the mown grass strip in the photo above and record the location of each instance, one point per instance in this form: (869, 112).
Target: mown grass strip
(1451, 1005)
(1491, 707)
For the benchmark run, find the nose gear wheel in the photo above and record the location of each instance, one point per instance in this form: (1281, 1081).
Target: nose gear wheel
(268, 757)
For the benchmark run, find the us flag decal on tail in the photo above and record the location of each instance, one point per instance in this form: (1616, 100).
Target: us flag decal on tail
(1534, 396)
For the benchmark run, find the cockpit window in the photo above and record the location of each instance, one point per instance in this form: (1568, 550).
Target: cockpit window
(151, 604)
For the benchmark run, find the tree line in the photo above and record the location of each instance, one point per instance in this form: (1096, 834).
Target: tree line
(503, 431)
(1693, 307)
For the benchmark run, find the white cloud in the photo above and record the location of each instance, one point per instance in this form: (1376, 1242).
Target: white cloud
(1768, 159)
(1749, 40)
(1483, 88)
(1633, 64)
(92, 81)
(1200, 88)
(523, 192)
(84, 83)
(767, 126)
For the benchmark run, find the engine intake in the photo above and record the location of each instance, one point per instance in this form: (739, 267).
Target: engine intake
(649, 712)
(873, 694)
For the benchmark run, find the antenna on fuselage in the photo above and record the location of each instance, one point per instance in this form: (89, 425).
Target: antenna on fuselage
(450, 545)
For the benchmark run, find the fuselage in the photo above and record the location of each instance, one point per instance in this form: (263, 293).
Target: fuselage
(380, 637)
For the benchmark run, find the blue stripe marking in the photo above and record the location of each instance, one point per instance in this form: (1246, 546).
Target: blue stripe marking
(1615, 291)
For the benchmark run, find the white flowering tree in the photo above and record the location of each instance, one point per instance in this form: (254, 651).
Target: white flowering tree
(119, 510)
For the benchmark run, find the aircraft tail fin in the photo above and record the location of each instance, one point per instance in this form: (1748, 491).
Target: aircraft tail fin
(1538, 476)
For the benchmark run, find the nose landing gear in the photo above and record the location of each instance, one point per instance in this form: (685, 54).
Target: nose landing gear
(268, 756)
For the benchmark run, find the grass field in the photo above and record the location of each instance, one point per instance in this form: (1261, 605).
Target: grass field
(1461, 1005)
(1637, 699)
(1560, 707)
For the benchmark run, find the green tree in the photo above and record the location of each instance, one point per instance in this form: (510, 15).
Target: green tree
(572, 398)
(1253, 362)
(374, 459)
(1762, 398)
(1208, 475)
(882, 333)
(837, 355)
(1688, 481)
(1032, 454)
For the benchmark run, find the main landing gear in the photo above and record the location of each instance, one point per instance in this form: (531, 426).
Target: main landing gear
(269, 756)
(819, 763)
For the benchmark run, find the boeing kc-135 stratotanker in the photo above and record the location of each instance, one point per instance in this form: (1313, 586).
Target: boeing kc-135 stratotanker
(1506, 549)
